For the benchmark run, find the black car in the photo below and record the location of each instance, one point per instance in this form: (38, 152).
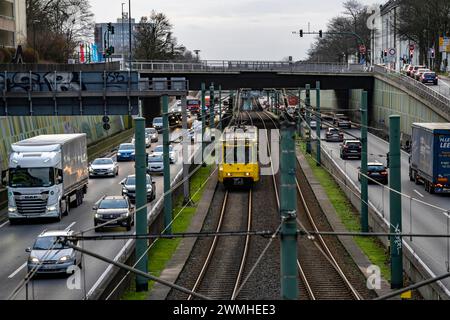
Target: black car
(334, 135)
(375, 171)
(351, 149)
(113, 211)
(129, 187)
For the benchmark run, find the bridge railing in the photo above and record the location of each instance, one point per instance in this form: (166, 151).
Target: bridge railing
(437, 99)
(238, 65)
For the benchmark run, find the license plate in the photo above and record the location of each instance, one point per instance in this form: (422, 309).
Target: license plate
(353, 151)
(238, 181)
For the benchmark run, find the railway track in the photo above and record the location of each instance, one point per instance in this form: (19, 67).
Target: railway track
(222, 270)
(321, 275)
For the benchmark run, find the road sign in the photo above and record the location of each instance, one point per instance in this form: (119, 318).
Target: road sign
(392, 51)
(362, 49)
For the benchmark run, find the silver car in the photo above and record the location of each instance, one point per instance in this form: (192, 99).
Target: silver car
(155, 164)
(102, 167)
(148, 140)
(50, 256)
(153, 133)
(173, 154)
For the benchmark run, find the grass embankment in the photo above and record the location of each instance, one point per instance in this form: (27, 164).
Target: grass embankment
(371, 246)
(163, 249)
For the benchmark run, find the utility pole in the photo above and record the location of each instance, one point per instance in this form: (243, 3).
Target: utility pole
(308, 120)
(288, 213)
(141, 202)
(166, 160)
(318, 123)
(211, 108)
(186, 164)
(220, 108)
(395, 202)
(364, 182)
(203, 121)
(299, 114)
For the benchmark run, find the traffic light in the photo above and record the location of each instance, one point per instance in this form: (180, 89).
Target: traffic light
(111, 50)
(109, 25)
(301, 33)
(385, 53)
(320, 33)
(106, 124)
(112, 29)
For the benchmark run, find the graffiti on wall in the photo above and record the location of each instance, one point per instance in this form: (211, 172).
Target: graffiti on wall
(67, 81)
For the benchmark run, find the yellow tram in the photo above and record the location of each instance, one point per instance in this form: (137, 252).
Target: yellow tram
(239, 157)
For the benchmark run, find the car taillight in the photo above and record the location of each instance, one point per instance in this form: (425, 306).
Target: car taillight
(384, 173)
(438, 185)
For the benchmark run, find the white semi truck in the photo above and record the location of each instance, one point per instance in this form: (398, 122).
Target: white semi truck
(47, 175)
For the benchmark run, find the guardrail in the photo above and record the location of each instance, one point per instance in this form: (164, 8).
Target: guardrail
(237, 66)
(435, 98)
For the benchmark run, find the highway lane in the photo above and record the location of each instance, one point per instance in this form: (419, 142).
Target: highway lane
(14, 239)
(417, 216)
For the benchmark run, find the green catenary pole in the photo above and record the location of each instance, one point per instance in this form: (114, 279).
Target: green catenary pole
(141, 201)
(299, 114)
(288, 213)
(211, 107)
(203, 115)
(220, 107)
(307, 116)
(395, 202)
(318, 123)
(364, 182)
(166, 161)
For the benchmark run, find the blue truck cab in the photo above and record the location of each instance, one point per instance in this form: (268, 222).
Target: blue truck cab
(430, 156)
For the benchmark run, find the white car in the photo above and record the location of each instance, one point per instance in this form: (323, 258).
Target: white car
(173, 154)
(103, 167)
(148, 140)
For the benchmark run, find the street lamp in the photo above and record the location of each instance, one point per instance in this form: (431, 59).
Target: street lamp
(34, 34)
(122, 31)
(129, 33)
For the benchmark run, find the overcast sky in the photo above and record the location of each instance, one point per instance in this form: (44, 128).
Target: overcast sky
(235, 29)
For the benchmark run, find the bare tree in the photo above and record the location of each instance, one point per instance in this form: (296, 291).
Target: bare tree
(154, 39)
(58, 26)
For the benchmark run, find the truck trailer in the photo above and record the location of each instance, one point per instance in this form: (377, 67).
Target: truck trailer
(429, 162)
(47, 175)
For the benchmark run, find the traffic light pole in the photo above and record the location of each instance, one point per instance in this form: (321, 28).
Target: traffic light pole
(395, 202)
(166, 161)
(364, 182)
(318, 124)
(288, 213)
(307, 116)
(141, 202)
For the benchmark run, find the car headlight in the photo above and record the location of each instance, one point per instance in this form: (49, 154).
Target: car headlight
(90, 169)
(124, 190)
(110, 169)
(64, 259)
(33, 260)
(119, 154)
(149, 189)
(98, 216)
(51, 208)
(124, 215)
(132, 153)
(12, 209)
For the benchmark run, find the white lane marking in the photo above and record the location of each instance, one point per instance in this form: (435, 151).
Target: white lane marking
(4, 224)
(17, 271)
(70, 225)
(418, 193)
